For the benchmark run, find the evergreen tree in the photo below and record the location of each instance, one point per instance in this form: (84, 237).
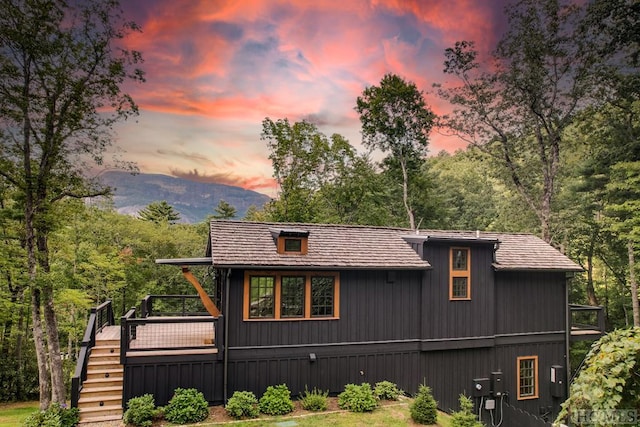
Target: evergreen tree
(159, 213)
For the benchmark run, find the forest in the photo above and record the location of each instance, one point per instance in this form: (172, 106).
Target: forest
(551, 122)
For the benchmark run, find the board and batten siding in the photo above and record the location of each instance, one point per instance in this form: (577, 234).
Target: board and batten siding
(444, 318)
(372, 308)
(528, 301)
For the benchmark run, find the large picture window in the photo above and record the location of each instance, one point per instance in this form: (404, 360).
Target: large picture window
(291, 296)
(527, 377)
(459, 274)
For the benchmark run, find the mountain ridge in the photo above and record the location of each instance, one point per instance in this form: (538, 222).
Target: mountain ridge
(192, 199)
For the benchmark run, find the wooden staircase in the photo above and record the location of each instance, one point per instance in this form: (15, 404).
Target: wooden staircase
(101, 394)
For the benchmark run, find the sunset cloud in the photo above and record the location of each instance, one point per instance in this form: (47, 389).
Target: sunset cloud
(215, 70)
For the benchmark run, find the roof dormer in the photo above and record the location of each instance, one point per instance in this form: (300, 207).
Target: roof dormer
(291, 241)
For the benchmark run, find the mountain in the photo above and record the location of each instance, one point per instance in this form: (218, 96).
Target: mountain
(194, 200)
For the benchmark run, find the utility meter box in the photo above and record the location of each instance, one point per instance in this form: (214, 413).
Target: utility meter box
(557, 384)
(497, 384)
(481, 387)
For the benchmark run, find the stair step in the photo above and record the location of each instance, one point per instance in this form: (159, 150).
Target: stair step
(104, 357)
(94, 401)
(102, 382)
(104, 391)
(106, 349)
(104, 373)
(98, 418)
(101, 342)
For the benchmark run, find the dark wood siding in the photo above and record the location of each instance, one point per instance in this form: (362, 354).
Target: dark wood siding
(454, 319)
(371, 309)
(530, 302)
(160, 376)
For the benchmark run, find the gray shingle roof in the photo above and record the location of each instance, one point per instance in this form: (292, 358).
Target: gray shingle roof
(238, 243)
(251, 244)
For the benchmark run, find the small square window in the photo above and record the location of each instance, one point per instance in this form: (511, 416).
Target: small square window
(293, 245)
(460, 288)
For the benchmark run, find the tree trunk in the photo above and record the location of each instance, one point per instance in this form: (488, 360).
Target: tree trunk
(634, 285)
(405, 193)
(41, 353)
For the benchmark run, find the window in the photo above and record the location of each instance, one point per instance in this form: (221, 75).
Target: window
(527, 377)
(460, 274)
(291, 296)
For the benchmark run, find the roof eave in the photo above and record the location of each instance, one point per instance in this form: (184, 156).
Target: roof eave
(320, 267)
(185, 261)
(576, 269)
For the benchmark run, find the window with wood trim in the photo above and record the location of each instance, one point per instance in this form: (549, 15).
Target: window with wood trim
(292, 245)
(291, 295)
(527, 377)
(459, 274)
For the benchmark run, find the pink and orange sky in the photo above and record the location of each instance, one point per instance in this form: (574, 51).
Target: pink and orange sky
(216, 68)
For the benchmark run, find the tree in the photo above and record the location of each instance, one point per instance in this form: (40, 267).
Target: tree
(61, 74)
(541, 73)
(159, 213)
(624, 213)
(304, 160)
(395, 120)
(225, 211)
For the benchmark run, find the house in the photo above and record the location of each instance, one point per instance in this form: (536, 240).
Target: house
(311, 305)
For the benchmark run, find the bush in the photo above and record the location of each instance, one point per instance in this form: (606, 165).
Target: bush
(242, 404)
(609, 378)
(315, 400)
(424, 409)
(465, 417)
(357, 398)
(55, 416)
(276, 400)
(186, 406)
(140, 411)
(386, 390)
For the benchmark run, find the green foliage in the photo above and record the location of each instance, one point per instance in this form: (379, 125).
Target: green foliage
(386, 390)
(396, 120)
(140, 411)
(55, 416)
(187, 405)
(159, 213)
(358, 398)
(242, 404)
(315, 400)
(276, 400)
(424, 409)
(225, 210)
(610, 378)
(465, 417)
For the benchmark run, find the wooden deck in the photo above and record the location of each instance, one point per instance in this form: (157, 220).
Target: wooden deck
(154, 339)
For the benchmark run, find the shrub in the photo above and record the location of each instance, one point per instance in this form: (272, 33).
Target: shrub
(186, 406)
(424, 409)
(316, 400)
(465, 417)
(386, 390)
(242, 404)
(276, 400)
(140, 411)
(55, 416)
(609, 378)
(357, 398)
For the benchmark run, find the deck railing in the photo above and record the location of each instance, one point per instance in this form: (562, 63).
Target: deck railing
(172, 305)
(170, 323)
(99, 317)
(587, 321)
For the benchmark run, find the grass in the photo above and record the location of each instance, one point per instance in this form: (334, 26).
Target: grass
(391, 415)
(13, 414)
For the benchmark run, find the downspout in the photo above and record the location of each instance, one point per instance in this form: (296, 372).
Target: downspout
(225, 369)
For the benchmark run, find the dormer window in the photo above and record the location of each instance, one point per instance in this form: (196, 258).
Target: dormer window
(460, 274)
(291, 241)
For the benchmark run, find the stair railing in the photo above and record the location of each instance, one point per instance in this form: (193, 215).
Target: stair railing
(99, 317)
